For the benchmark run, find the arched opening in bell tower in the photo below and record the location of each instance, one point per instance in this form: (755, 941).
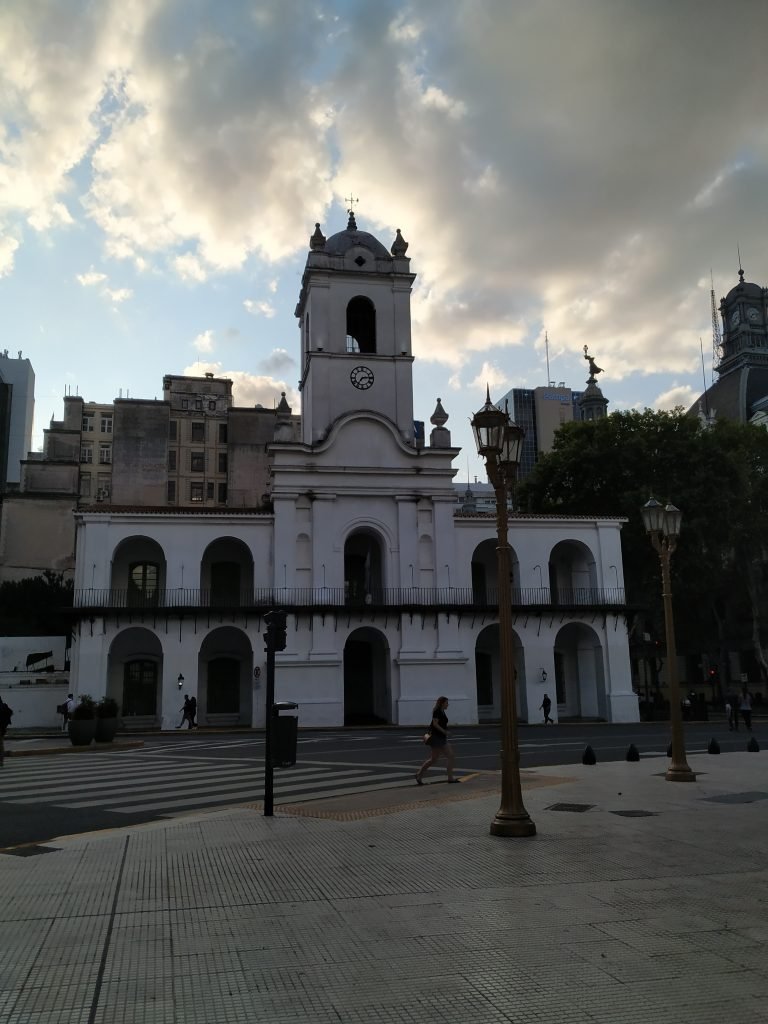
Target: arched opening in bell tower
(363, 582)
(361, 325)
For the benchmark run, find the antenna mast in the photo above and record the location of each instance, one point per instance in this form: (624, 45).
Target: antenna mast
(717, 340)
(546, 349)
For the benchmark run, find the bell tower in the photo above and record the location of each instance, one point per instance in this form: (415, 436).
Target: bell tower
(354, 314)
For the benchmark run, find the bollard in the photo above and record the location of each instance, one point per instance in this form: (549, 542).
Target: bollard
(714, 746)
(753, 746)
(633, 754)
(588, 757)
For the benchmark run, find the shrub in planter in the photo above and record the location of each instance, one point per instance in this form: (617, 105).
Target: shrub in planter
(82, 722)
(106, 720)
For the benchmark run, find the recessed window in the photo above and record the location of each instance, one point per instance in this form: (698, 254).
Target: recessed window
(185, 403)
(360, 261)
(171, 490)
(142, 580)
(198, 403)
(209, 490)
(88, 424)
(85, 485)
(198, 431)
(222, 494)
(105, 454)
(172, 459)
(173, 430)
(196, 492)
(103, 486)
(106, 424)
(222, 433)
(212, 406)
(197, 462)
(86, 453)
(222, 462)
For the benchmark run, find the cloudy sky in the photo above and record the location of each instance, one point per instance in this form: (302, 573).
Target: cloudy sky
(574, 166)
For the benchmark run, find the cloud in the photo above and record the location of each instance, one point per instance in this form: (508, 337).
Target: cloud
(8, 247)
(680, 394)
(492, 377)
(272, 286)
(263, 308)
(204, 342)
(249, 389)
(91, 277)
(189, 268)
(279, 359)
(118, 295)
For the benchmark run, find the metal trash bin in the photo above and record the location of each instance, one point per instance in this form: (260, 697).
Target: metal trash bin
(284, 734)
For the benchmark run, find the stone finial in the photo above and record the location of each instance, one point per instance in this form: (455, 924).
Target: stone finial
(351, 223)
(399, 246)
(283, 410)
(439, 417)
(317, 241)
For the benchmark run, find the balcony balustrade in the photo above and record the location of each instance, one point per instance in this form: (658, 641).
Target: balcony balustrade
(186, 598)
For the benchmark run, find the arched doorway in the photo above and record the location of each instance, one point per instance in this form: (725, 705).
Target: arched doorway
(572, 574)
(362, 568)
(367, 697)
(485, 573)
(579, 673)
(134, 675)
(488, 675)
(138, 573)
(225, 672)
(226, 573)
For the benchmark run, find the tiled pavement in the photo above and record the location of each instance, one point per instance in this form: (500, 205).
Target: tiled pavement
(416, 915)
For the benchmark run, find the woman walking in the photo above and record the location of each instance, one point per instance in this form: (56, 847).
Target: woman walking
(438, 742)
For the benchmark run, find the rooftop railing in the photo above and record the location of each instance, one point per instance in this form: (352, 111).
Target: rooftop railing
(96, 599)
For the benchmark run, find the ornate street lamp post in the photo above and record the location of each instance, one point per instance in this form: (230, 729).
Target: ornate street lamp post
(498, 441)
(662, 524)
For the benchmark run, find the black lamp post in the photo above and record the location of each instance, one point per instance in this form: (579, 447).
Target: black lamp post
(662, 524)
(499, 441)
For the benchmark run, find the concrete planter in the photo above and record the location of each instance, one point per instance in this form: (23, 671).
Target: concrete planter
(105, 729)
(81, 731)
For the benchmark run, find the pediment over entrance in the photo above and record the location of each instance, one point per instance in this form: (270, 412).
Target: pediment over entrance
(364, 440)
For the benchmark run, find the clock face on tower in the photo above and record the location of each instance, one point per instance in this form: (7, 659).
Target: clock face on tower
(735, 317)
(753, 314)
(361, 377)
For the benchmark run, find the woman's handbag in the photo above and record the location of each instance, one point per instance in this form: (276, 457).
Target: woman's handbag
(427, 737)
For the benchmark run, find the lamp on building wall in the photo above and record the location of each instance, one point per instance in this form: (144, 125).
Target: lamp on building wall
(662, 524)
(543, 675)
(180, 680)
(499, 441)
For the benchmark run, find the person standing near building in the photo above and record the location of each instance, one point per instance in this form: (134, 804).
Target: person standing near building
(546, 705)
(6, 714)
(192, 712)
(745, 708)
(438, 742)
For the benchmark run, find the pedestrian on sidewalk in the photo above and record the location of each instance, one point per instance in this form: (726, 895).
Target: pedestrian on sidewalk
(745, 708)
(546, 704)
(192, 712)
(438, 742)
(732, 710)
(186, 713)
(6, 714)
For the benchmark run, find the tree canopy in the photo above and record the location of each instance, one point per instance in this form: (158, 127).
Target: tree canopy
(717, 476)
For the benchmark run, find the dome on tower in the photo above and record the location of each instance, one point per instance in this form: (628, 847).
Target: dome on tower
(340, 243)
(744, 290)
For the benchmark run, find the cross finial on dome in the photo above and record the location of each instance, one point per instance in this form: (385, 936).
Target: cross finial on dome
(741, 272)
(351, 223)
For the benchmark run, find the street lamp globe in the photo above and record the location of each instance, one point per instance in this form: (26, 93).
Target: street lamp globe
(653, 516)
(489, 425)
(672, 519)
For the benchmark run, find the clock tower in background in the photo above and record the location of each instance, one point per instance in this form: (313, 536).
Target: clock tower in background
(354, 314)
(740, 388)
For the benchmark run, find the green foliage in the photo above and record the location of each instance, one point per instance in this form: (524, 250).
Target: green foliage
(718, 477)
(35, 606)
(107, 708)
(85, 710)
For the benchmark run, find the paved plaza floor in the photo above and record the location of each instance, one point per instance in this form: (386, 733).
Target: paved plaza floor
(639, 900)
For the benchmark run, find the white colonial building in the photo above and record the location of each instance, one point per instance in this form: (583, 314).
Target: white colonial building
(390, 590)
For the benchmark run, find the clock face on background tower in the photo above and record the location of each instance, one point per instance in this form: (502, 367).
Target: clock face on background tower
(361, 377)
(753, 314)
(735, 317)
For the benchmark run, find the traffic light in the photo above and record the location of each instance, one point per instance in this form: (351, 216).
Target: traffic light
(275, 636)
